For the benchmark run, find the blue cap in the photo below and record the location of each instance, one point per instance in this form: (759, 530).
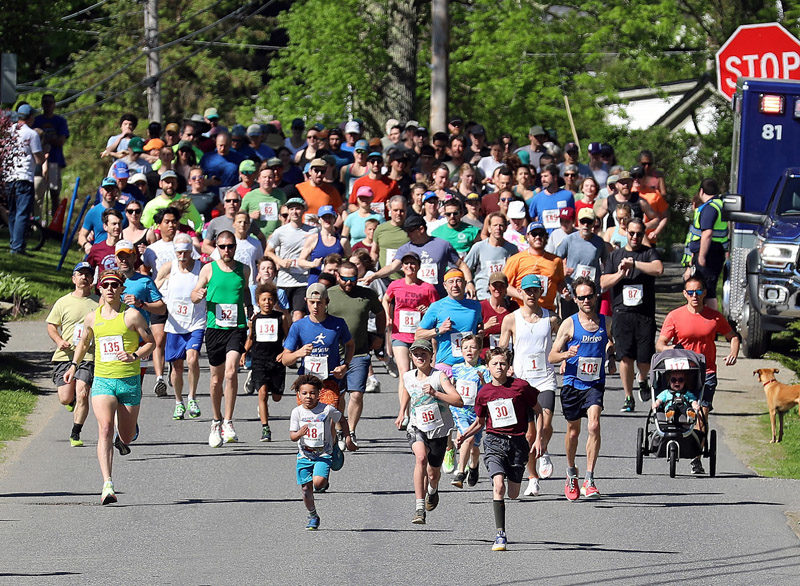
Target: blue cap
(108, 182)
(326, 211)
(25, 110)
(361, 145)
(535, 226)
(429, 195)
(529, 281)
(82, 265)
(374, 155)
(121, 170)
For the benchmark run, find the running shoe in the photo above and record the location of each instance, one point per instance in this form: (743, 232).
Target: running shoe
(449, 463)
(108, 496)
(215, 437)
(533, 487)
(228, 433)
(697, 466)
(472, 475)
(458, 479)
(75, 441)
(249, 387)
(500, 541)
(353, 438)
(70, 406)
(629, 405)
(391, 366)
(544, 466)
(644, 392)
(431, 501)
(313, 523)
(340, 440)
(419, 517)
(589, 490)
(266, 434)
(404, 424)
(124, 450)
(136, 434)
(160, 388)
(194, 409)
(180, 410)
(373, 385)
(571, 490)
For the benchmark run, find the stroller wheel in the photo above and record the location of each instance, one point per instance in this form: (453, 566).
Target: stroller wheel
(639, 449)
(712, 453)
(672, 456)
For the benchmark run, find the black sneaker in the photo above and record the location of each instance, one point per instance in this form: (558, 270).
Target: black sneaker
(644, 392)
(697, 466)
(472, 475)
(419, 517)
(431, 501)
(124, 450)
(629, 405)
(458, 479)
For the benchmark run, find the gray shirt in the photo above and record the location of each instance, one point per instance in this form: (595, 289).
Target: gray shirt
(288, 244)
(422, 402)
(583, 256)
(483, 259)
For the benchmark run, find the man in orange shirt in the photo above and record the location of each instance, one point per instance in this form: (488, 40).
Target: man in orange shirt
(535, 261)
(655, 224)
(317, 193)
(380, 184)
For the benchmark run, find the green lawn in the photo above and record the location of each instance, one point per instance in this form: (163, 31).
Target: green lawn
(783, 459)
(17, 400)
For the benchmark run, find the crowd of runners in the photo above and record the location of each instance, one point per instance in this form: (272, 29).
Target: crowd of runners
(477, 272)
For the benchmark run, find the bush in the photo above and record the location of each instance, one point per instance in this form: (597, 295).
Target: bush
(17, 291)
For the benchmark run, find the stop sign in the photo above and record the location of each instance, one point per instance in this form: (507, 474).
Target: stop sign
(757, 50)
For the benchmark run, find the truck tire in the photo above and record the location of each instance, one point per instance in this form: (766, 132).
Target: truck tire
(754, 339)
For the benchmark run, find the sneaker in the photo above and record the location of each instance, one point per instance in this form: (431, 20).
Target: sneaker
(644, 392)
(124, 450)
(404, 424)
(533, 487)
(70, 406)
(215, 437)
(353, 438)
(589, 490)
(249, 387)
(373, 385)
(458, 479)
(500, 541)
(108, 496)
(629, 405)
(431, 501)
(449, 463)
(228, 433)
(340, 440)
(472, 475)
(160, 388)
(313, 523)
(571, 490)
(75, 441)
(194, 409)
(266, 434)
(180, 409)
(544, 466)
(419, 517)
(697, 466)
(391, 366)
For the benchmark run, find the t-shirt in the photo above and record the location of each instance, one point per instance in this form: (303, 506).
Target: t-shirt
(22, 164)
(436, 257)
(102, 256)
(492, 404)
(483, 259)
(545, 206)
(464, 314)
(123, 143)
(325, 336)
(159, 203)
(696, 331)
(226, 168)
(264, 151)
(491, 336)
(356, 223)
(316, 197)
(93, 220)
(288, 244)
(389, 238)
(407, 299)
(319, 438)
(667, 396)
(355, 309)
(424, 408)
(383, 188)
(637, 292)
(461, 237)
(54, 126)
(490, 203)
(549, 267)
(587, 257)
(556, 237)
(68, 313)
(143, 288)
(268, 207)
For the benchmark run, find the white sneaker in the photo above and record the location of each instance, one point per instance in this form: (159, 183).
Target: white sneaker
(228, 433)
(533, 487)
(391, 366)
(373, 385)
(544, 466)
(215, 437)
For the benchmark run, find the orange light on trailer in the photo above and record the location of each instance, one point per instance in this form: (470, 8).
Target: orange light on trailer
(771, 104)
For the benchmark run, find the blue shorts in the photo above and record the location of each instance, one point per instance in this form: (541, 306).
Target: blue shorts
(400, 343)
(463, 418)
(708, 390)
(308, 468)
(178, 344)
(355, 380)
(575, 403)
(128, 390)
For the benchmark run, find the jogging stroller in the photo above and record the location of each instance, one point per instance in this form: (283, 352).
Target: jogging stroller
(669, 430)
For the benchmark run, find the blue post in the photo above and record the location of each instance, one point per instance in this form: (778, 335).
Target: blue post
(69, 216)
(72, 234)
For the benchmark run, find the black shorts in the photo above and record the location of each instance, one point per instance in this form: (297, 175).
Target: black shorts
(634, 336)
(297, 298)
(547, 400)
(710, 274)
(84, 372)
(219, 342)
(575, 403)
(272, 374)
(158, 319)
(436, 447)
(506, 455)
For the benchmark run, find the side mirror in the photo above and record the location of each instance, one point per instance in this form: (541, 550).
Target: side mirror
(732, 211)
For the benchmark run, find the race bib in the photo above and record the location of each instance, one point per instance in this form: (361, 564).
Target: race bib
(77, 333)
(267, 329)
(428, 417)
(110, 346)
(227, 315)
(315, 435)
(377, 207)
(408, 321)
(390, 252)
(181, 311)
(676, 364)
(535, 365)
(492, 266)
(589, 368)
(455, 344)
(268, 210)
(551, 219)
(584, 271)
(502, 413)
(467, 389)
(429, 272)
(316, 365)
(632, 295)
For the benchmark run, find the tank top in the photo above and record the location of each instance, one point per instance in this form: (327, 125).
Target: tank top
(350, 179)
(618, 239)
(321, 251)
(636, 207)
(225, 297)
(183, 316)
(267, 336)
(111, 336)
(586, 369)
(532, 345)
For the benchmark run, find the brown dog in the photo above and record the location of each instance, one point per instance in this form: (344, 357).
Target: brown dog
(780, 397)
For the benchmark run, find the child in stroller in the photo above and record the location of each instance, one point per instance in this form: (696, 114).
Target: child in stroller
(676, 395)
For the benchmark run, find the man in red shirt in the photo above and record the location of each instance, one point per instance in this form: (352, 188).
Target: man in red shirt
(381, 185)
(695, 327)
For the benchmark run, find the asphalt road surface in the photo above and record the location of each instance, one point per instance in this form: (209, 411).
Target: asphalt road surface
(191, 514)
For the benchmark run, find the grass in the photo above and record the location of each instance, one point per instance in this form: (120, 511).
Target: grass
(779, 460)
(18, 397)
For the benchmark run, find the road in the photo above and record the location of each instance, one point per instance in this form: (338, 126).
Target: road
(188, 513)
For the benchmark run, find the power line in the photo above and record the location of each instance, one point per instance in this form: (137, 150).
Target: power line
(241, 45)
(84, 11)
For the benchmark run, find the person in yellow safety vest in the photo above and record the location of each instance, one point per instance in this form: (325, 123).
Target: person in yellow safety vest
(707, 241)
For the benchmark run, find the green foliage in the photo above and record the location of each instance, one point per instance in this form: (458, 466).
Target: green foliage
(17, 400)
(783, 459)
(17, 291)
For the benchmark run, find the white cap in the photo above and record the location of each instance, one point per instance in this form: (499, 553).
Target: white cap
(516, 210)
(352, 127)
(136, 177)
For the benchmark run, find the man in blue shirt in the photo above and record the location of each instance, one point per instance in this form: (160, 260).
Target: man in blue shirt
(92, 230)
(222, 166)
(256, 137)
(545, 206)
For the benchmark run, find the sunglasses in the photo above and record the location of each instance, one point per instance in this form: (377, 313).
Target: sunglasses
(284, 215)
(226, 246)
(584, 297)
(233, 201)
(635, 234)
(196, 178)
(539, 234)
(448, 214)
(110, 285)
(676, 379)
(587, 221)
(693, 292)
(570, 174)
(348, 279)
(530, 291)
(134, 211)
(506, 199)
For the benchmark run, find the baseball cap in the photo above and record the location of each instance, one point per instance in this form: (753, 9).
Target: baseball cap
(586, 213)
(124, 246)
(375, 143)
(172, 127)
(594, 148)
(108, 182)
(472, 198)
(25, 110)
(457, 122)
(529, 281)
(536, 226)
(247, 166)
(136, 144)
(567, 213)
(498, 277)
(254, 130)
(153, 143)
(352, 127)
(422, 345)
(170, 174)
(211, 113)
(326, 211)
(413, 222)
(137, 177)
(429, 195)
(185, 144)
(536, 130)
(121, 170)
(422, 131)
(516, 210)
(317, 291)
(361, 145)
(238, 131)
(391, 123)
(274, 162)
(318, 162)
(623, 175)
(82, 266)
(612, 179)
(297, 201)
(411, 254)
(606, 149)
(571, 147)
(478, 130)
(375, 155)
(365, 191)
(412, 124)
(298, 123)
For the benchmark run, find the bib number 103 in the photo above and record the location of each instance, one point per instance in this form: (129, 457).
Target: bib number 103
(772, 132)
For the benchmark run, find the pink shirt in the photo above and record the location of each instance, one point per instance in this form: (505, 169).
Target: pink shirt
(407, 299)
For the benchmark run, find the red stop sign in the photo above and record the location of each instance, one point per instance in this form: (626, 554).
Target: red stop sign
(757, 50)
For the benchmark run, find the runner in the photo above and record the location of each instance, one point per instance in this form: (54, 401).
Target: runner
(494, 310)
(390, 236)
(489, 256)
(65, 327)
(530, 331)
(581, 342)
(535, 260)
(427, 391)
(116, 330)
(223, 284)
(101, 255)
(503, 406)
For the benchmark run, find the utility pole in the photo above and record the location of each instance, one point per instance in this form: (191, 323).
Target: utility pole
(153, 71)
(440, 32)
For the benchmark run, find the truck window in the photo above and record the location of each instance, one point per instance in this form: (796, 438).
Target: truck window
(789, 204)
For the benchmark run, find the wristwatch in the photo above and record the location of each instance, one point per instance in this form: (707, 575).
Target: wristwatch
(135, 356)
(436, 330)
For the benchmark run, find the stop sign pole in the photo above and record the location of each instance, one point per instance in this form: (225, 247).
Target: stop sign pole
(757, 50)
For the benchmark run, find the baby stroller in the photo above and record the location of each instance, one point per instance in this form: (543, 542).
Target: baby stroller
(670, 432)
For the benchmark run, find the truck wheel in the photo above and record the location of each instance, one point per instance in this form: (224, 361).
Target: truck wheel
(754, 338)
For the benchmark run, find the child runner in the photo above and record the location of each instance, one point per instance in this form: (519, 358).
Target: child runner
(369, 230)
(428, 391)
(468, 376)
(503, 406)
(264, 345)
(311, 426)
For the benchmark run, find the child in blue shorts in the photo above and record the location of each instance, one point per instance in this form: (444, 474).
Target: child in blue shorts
(468, 377)
(311, 426)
